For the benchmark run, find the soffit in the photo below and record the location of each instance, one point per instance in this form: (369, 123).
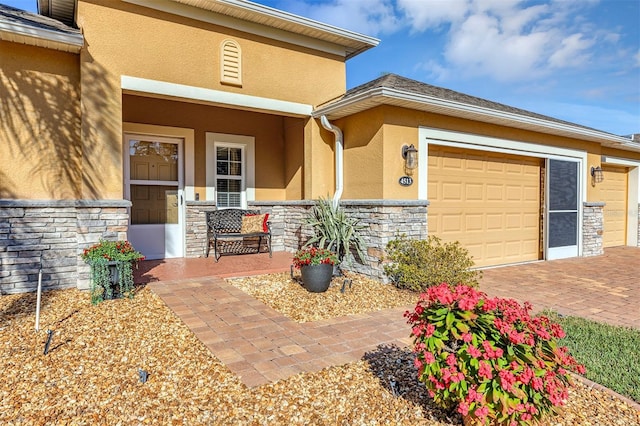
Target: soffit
(353, 43)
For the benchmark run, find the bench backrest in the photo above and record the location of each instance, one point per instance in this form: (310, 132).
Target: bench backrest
(227, 220)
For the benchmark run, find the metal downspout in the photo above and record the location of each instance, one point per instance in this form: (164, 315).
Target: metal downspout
(339, 158)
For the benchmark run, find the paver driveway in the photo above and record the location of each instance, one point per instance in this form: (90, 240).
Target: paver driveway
(603, 288)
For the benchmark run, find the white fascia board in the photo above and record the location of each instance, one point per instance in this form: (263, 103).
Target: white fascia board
(458, 106)
(73, 41)
(302, 21)
(155, 87)
(381, 94)
(240, 25)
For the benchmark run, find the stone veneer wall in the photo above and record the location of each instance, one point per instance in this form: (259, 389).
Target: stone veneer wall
(196, 227)
(592, 228)
(51, 234)
(384, 219)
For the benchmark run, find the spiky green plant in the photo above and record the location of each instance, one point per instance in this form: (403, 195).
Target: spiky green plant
(333, 229)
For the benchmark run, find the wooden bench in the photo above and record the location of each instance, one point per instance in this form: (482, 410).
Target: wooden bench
(224, 228)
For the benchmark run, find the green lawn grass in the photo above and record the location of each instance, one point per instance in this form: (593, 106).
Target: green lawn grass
(610, 354)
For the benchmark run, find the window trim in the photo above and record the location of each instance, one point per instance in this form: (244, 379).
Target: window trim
(247, 143)
(241, 178)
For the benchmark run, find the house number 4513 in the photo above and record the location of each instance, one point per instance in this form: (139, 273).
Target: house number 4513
(405, 180)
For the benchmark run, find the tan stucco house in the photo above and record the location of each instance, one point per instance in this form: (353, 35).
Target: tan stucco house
(131, 118)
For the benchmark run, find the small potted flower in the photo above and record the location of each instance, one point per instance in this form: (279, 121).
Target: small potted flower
(488, 358)
(316, 267)
(111, 265)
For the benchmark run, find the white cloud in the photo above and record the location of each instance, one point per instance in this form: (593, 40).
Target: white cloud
(421, 15)
(504, 39)
(573, 52)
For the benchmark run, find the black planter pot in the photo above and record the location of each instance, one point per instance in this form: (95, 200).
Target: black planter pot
(316, 278)
(114, 280)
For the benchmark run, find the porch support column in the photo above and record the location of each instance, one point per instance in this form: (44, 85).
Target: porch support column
(592, 228)
(319, 168)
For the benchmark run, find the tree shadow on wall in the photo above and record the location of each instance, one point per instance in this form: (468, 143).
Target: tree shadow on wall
(42, 128)
(44, 140)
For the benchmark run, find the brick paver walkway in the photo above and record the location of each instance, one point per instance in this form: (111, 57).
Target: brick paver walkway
(261, 345)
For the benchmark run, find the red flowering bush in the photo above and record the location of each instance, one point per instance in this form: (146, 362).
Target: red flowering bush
(488, 358)
(314, 256)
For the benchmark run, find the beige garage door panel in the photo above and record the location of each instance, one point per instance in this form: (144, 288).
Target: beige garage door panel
(489, 202)
(614, 194)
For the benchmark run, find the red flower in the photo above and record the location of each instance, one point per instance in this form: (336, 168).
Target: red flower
(481, 412)
(428, 357)
(473, 351)
(463, 408)
(451, 360)
(484, 370)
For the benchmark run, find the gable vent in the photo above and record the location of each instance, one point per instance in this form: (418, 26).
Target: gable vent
(231, 63)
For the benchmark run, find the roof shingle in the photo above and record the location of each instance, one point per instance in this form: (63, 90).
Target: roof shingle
(11, 15)
(397, 82)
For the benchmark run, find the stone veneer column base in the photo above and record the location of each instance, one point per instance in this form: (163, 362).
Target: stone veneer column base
(51, 234)
(592, 228)
(196, 227)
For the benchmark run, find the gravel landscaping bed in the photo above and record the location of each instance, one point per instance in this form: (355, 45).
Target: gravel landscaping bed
(290, 298)
(90, 375)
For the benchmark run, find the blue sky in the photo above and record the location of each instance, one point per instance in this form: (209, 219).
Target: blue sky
(576, 60)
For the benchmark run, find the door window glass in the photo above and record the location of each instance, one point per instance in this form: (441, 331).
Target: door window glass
(563, 204)
(153, 160)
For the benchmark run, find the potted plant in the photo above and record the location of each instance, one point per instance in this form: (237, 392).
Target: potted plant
(334, 230)
(488, 358)
(111, 265)
(316, 266)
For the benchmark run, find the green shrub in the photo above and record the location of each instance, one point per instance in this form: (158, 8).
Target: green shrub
(420, 264)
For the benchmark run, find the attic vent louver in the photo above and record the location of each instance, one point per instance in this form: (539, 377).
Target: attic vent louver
(231, 63)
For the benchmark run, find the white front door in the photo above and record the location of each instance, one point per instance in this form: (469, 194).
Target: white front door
(562, 205)
(154, 185)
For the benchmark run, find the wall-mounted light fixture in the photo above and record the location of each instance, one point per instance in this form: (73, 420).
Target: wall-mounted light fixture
(410, 155)
(597, 174)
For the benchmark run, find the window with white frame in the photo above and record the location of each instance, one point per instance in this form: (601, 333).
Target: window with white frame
(229, 175)
(230, 172)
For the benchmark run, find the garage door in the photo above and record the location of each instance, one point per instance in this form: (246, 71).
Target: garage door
(489, 202)
(614, 194)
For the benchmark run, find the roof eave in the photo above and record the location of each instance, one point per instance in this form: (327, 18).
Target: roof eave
(387, 96)
(352, 42)
(40, 37)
